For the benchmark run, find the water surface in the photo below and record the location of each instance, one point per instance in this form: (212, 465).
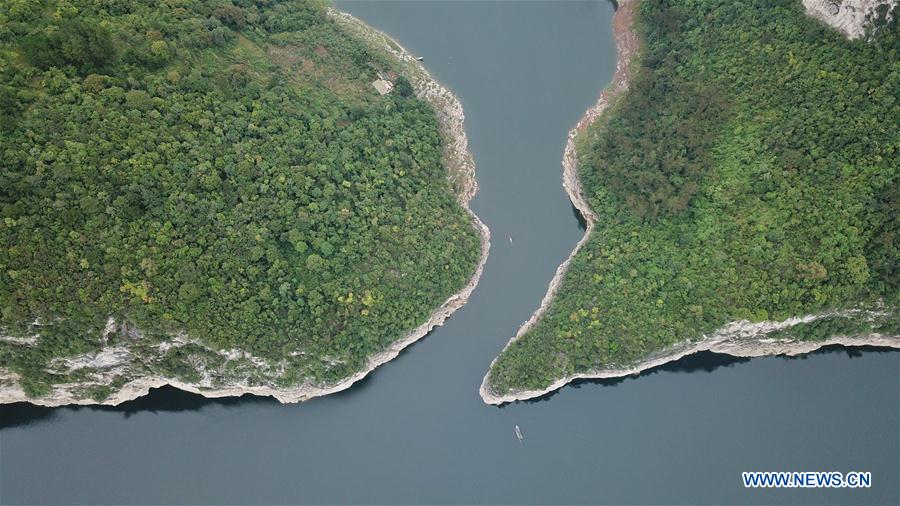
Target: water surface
(415, 431)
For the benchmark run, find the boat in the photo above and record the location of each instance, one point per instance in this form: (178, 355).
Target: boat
(519, 434)
(420, 58)
(510, 239)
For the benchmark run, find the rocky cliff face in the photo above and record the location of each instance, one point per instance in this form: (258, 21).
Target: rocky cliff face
(852, 17)
(127, 363)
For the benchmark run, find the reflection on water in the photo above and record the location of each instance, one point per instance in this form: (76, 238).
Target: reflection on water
(160, 400)
(707, 362)
(172, 400)
(22, 414)
(582, 224)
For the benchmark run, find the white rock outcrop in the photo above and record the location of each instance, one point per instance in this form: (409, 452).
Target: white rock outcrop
(126, 362)
(851, 17)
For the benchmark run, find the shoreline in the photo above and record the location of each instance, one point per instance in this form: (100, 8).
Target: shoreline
(725, 344)
(627, 45)
(736, 338)
(461, 169)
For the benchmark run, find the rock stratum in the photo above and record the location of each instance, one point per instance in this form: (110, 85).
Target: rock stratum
(852, 17)
(122, 372)
(739, 338)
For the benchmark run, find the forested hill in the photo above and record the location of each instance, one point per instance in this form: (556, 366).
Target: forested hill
(750, 173)
(220, 171)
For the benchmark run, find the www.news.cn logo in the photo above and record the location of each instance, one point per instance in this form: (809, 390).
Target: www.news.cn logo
(809, 479)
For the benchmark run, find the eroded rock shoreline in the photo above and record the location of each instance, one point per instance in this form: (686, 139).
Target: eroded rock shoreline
(740, 338)
(461, 168)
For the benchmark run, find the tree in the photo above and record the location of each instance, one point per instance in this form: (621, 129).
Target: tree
(88, 47)
(403, 87)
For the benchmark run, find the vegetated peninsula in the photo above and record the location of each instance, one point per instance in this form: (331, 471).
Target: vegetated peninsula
(741, 196)
(261, 197)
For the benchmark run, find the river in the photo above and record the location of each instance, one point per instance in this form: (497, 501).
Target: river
(415, 430)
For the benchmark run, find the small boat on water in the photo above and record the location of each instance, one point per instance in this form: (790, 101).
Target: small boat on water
(519, 434)
(420, 58)
(510, 239)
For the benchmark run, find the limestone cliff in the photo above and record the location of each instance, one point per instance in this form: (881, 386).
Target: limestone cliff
(852, 17)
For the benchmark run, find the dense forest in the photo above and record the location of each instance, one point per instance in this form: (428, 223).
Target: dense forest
(750, 173)
(217, 169)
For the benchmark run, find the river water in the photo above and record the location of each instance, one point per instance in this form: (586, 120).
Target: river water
(415, 431)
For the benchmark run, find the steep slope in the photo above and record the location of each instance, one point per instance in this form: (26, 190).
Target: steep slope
(743, 198)
(211, 194)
